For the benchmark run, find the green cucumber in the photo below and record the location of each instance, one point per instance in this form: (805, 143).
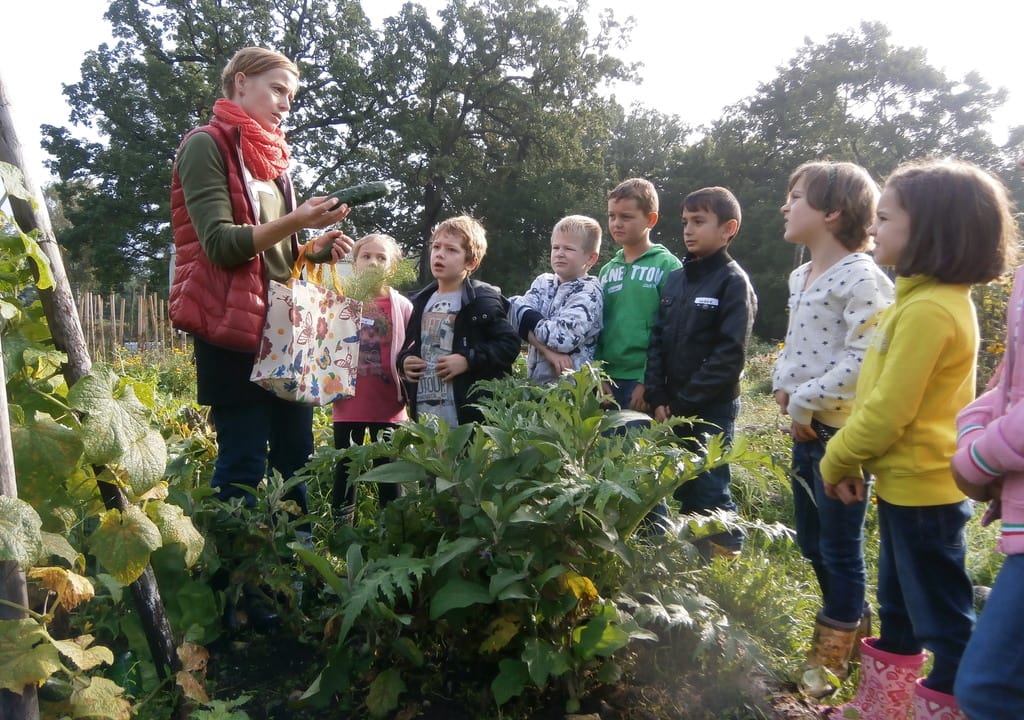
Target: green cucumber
(359, 194)
(352, 195)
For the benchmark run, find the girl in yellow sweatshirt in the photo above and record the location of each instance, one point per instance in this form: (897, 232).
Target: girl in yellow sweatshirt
(943, 226)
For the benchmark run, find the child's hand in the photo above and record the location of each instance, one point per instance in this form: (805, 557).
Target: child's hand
(848, 490)
(662, 413)
(331, 247)
(782, 398)
(607, 397)
(981, 493)
(636, 401)
(803, 433)
(450, 366)
(559, 361)
(413, 367)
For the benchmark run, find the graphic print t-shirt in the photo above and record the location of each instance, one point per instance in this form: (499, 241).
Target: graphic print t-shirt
(376, 399)
(434, 396)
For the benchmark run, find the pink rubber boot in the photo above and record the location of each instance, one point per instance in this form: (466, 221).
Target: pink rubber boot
(933, 705)
(886, 690)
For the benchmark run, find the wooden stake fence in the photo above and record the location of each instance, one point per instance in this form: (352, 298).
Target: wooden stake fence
(137, 321)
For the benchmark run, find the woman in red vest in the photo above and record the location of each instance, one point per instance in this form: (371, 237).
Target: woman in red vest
(236, 226)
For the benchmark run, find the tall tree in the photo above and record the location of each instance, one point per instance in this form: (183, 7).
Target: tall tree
(854, 97)
(160, 79)
(492, 111)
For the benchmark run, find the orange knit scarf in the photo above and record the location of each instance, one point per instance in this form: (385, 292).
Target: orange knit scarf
(265, 151)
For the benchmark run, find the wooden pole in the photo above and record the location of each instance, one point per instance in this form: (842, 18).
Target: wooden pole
(102, 347)
(62, 317)
(24, 705)
(113, 321)
(121, 326)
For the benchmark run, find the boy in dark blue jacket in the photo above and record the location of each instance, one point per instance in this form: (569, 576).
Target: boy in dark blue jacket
(698, 345)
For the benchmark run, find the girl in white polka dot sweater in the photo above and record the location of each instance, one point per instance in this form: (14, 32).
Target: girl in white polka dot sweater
(834, 303)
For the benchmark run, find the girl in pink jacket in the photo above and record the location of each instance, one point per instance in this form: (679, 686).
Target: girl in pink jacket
(989, 466)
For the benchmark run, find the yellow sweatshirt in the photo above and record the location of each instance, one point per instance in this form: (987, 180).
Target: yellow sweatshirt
(917, 374)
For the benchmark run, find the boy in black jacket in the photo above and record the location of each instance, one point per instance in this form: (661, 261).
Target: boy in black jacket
(458, 332)
(698, 345)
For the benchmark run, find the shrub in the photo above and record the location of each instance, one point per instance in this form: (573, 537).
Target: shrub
(514, 558)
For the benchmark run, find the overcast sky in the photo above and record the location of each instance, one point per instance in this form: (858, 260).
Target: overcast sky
(744, 41)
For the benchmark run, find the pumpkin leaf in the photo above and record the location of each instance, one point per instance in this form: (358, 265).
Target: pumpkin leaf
(27, 654)
(123, 542)
(21, 539)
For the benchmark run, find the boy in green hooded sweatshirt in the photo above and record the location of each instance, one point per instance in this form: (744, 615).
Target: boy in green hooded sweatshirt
(632, 281)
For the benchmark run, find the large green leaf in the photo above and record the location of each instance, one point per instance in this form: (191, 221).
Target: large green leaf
(458, 593)
(117, 430)
(600, 636)
(26, 654)
(21, 538)
(176, 527)
(384, 692)
(123, 541)
(448, 550)
(510, 681)
(45, 453)
(543, 660)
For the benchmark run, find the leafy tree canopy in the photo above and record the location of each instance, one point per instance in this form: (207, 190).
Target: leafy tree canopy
(496, 108)
(485, 111)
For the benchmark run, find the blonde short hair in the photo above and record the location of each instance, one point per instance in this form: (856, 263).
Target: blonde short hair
(472, 233)
(586, 228)
(253, 61)
(389, 243)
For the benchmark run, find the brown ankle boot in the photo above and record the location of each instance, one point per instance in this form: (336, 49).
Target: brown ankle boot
(828, 659)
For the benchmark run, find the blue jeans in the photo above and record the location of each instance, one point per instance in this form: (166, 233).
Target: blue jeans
(264, 430)
(830, 535)
(989, 685)
(925, 598)
(710, 490)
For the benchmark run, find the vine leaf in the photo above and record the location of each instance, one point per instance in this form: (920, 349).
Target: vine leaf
(14, 181)
(71, 589)
(27, 655)
(20, 532)
(45, 453)
(102, 699)
(123, 542)
(176, 527)
(117, 431)
(58, 545)
(84, 657)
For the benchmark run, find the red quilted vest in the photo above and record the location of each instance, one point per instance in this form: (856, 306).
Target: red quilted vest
(226, 307)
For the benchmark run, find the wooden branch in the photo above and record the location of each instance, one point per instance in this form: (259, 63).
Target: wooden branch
(66, 329)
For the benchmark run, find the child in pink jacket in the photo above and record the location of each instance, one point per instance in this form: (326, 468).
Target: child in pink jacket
(989, 465)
